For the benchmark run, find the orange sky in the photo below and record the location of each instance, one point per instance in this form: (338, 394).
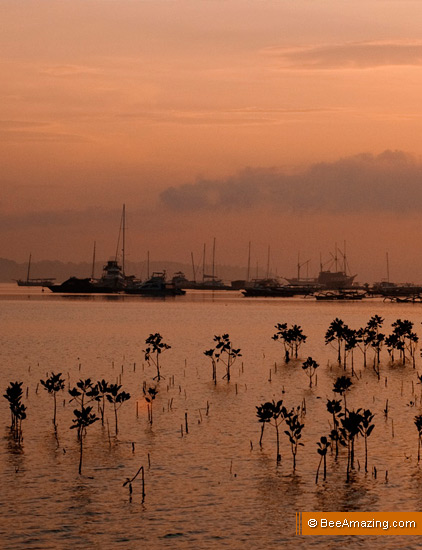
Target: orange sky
(232, 103)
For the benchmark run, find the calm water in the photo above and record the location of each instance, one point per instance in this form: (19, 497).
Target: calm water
(207, 489)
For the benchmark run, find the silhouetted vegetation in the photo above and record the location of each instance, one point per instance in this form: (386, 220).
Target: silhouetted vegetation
(224, 352)
(116, 398)
(17, 409)
(275, 414)
(53, 385)
(292, 338)
(155, 346)
(310, 366)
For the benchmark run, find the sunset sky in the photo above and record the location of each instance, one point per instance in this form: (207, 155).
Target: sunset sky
(294, 123)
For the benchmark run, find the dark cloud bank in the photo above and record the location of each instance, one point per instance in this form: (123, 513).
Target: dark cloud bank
(389, 182)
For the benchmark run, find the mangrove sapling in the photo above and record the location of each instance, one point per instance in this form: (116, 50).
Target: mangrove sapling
(278, 414)
(334, 408)
(53, 385)
(17, 409)
(227, 353)
(366, 429)
(418, 424)
(155, 346)
(129, 482)
(351, 341)
(83, 393)
(351, 428)
(83, 418)
(150, 395)
(264, 414)
(335, 333)
(294, 433)
(117, 398)
(211, 353)
(403, 339)
(323, 446)
(342, 386)
(310, 366)
(292, 338)
(103, 389)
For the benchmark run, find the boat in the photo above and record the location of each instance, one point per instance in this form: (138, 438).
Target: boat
(155, 286)
(39, 281)
(340, 295)
(327, 279)
(268, 288)
(111, 281)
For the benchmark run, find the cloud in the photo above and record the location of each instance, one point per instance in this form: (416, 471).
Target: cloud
(388, 182)
(352, 55)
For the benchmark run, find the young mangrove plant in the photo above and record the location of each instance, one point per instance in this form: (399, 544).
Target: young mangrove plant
(351, 341)
(155, 346)
(83, 393)
(366, 429)
(323, 446)
(294, 433)
(150, 395)
(292, 338)
(336, 333)
(351, 428)
(53, 385)
(17, 409)
(224, 352)
(264, 413)
(418, 424)
(116, 398)
(402, 339)
(103, 389)
(278, 414)
(342, 386)
(334, 408)
(310, 366)
(84, 417)
(213, 355)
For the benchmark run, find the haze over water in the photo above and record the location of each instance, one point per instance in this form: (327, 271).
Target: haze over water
(207, 489)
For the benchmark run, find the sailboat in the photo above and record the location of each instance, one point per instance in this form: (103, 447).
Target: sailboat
(112, 280)
(41, 281)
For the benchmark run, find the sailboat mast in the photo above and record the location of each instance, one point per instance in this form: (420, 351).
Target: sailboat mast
(298, 266)
(193, 268)
(123, 238)
(268, 262)
(213, 259)
(249, 263)
(203, 265)
(388, 268)
(29, 267)
(148, 264)
(93, 261)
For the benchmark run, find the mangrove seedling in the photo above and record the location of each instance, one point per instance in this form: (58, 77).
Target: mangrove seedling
(213, 355)
(155, 346)
(226, 353)
(83, 418)
(278, 414)
(292, 338)
(103, 389)
(294, 433)
(334, 408)
(83, 393)
(336, 333)
(310, 366)
(323, 446)
(341, 386)
(418, 424)
(53, 385)
(366, 429)
(17, 409)
(264, 413)
(351, 428)
(117, 398)
(150, 395)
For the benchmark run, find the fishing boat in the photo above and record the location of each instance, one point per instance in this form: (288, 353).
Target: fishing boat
(268, 288)
(40, 281)
(155, 286)
(340, 295)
